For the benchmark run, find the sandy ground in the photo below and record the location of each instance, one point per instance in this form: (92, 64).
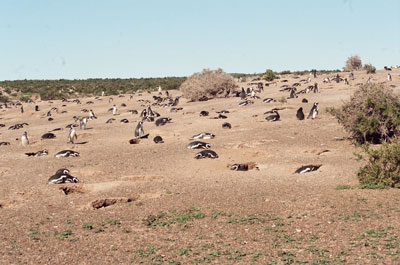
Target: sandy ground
(168, 208)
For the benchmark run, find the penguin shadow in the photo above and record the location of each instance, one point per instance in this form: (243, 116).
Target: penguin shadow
(84, 142)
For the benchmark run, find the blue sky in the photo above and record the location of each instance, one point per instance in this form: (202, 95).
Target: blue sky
(77, 39)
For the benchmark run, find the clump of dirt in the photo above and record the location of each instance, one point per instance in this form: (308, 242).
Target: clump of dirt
(102, 203)
(74, 189)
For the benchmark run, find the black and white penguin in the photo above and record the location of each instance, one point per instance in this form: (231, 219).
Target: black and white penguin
(314, 111)
(245, 103)
(204, 113)
(36, 108)
(124, 121)
(38, 153)
(268, 100)
(300, 114)
(110, 120)
(22, 109)
(308, 168)
(67, 153)
(91, 115)
(389, 78)
(158, 139)
(203, 136)
(316, 90)
(162, 121)
(273, 117)
(114, 110)
(198, 145)
(226, 125)
(243, 94)
(304, 100)
(293, 93)
(133, 111)
(48, 136)
(206, 154)
(240, 167)
(72, 136)
(139, 132)
(4, 143)
(83, 123)
(62, 176)
(24, 139)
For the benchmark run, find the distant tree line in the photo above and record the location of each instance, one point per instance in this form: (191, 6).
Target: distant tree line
(63, 88)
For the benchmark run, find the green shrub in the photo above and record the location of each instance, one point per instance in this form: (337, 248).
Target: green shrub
(371, 115)
(208, 84)
(382, 168)
(270, 75)
(4, 99)
(353, 63)
(370, 68)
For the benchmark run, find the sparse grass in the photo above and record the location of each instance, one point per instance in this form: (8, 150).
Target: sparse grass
(283, 100)
(166, 219)
(88, 226)
(344, 187)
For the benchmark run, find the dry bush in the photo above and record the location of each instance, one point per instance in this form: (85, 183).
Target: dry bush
(382, 168)
(208, 84)
(370, 68)
(353, 63)
(371, 115)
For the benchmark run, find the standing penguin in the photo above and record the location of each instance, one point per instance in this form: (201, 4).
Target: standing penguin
(24, 139)
(114, 110)
(72, 136)
(300, 114)
(316, 88)
(91, 115)
(22, 109)
(389, 78)
(314, 111)
(139, 130)
(83, 123)
(243, 94)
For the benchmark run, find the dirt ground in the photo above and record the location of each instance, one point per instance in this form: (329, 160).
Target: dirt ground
(153, 203)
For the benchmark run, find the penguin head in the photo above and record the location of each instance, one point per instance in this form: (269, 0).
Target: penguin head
(207, 145)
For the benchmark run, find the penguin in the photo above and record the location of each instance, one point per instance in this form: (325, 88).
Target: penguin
(67, 153)
(22, 109)
(48, 136)
(72, 136)
(245, 103)
(389, 78)
(91, 115)
(308, 168)
(240, 167)
(24, 139)
(83, 123)
(223, 111)
(38, 153)
(203, 136)
(110, 120)
(300, 114)
(158, 140)
(4, 143)
(159, 89)
(268, 100)
(198, 145)
(273, 117)
(243, 94)
(124, 121)
(162, 121)
(206, 154)
(316, 90)
(110, 100)
(62, 176)
(226, 125)
(314, 111)
(304, 100)
(36, 108)
(102, 93)
(133, 111)
(204, 113)
(293, 93)
(114, 110)
(139, 132)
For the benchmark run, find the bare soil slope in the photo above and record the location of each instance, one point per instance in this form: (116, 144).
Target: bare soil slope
(153, 203)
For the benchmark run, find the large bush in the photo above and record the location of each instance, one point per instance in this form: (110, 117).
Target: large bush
(382, 168)
(369, 68)
(353, 63)
(371, 115)
(269, 75)
(208, 84)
